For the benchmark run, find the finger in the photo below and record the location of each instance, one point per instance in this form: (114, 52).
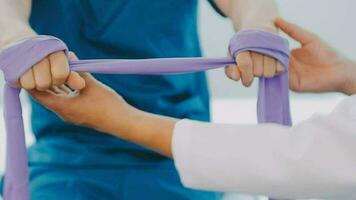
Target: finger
(58, 90)
(59, 68)
(232, 72)
(66, 89)
(228, 71)
(296, 32)
(42, 74)
(280, 68)
(51, 91)
(257, 60)
(269, 67)
(75, 81)
(244, 63)
(72, 56)
(27, 81)
(86, 76)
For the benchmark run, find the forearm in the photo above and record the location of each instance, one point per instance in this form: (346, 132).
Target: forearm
(142, 128)
(250, 14)
(14, 23)
(152, 131)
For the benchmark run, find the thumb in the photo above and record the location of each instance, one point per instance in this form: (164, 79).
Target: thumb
(75, 81)
(294, 31)
(91, 84)
(72, 56)
(88, 78)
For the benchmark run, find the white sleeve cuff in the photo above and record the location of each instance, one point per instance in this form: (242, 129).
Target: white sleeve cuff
(182, 150)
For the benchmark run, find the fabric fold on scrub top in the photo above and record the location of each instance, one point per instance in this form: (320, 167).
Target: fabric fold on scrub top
(273, 102)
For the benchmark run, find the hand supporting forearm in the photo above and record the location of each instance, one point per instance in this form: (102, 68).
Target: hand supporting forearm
(14, 25)
(250, 14)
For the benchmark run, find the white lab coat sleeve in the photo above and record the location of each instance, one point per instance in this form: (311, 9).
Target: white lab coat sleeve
(313, 159)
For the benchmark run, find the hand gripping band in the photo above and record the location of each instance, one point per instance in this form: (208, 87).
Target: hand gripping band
(273, 95)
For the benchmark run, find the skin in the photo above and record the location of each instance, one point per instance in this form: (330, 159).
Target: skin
(246, 15)
(50, 79)
(314, 67)
(116, 116)
(50, 73)
(53, 72)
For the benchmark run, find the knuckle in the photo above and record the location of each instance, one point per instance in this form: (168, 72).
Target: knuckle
(245, 64)
(42, 64)
(258, 71)
(57, 56)
(59, 62)
(42, 85)
(28, 86)
(59, 77)
(269, 72)
(269, 75)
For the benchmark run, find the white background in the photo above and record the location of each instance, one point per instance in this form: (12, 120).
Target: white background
(333, 20)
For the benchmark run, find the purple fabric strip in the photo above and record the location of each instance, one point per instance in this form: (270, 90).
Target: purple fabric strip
(273, 95)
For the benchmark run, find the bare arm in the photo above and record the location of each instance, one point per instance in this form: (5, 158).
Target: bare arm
(51, 72)
(111, 114)
(155, 131)
(318, 152)
(14, 25)
(250, 14)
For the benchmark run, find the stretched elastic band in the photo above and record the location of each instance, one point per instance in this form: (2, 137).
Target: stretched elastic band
(273, 99)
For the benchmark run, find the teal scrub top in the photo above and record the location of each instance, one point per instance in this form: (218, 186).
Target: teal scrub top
(120, 29)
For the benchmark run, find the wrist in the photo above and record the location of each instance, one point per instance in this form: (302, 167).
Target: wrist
(18, 32)
(262, 27)
(248, 15)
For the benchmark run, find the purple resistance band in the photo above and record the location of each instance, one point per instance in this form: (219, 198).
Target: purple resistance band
(273, 94)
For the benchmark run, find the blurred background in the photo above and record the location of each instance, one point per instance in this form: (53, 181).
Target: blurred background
(333, 20)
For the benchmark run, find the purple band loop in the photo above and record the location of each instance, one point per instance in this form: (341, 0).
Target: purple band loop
(272, 106)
